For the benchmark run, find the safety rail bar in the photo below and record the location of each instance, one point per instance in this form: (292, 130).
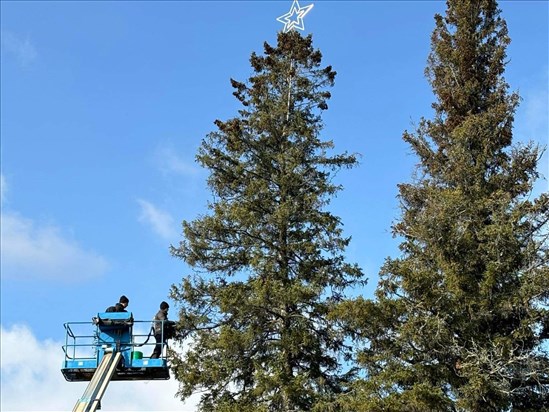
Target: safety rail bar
(94, 341)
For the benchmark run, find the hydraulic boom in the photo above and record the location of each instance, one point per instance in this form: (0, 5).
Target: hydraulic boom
(91, 400)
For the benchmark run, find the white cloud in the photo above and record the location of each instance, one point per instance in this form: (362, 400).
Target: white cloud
(36, 251)
(22, 49)
(169, 161)
(31, 381)
(160, 221)
(33, 251)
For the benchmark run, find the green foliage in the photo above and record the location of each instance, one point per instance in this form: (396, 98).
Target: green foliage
(268, 257)
(460, 318)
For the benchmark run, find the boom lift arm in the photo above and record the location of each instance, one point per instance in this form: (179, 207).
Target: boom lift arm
(91, 400)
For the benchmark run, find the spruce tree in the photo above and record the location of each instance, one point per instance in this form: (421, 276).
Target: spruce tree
(460, 319)
(268, 257)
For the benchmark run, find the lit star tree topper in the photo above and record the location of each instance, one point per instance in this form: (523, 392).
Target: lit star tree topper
(294, 18)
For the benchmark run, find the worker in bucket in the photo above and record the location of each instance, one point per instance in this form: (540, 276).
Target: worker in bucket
(121, 306)
(161, 323)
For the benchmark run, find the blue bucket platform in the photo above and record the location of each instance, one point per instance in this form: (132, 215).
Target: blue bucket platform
(86, 343)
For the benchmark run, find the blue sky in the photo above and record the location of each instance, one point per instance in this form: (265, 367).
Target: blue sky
(103, 105)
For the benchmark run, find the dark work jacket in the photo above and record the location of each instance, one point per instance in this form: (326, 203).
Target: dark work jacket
(116, 308)
(162, 314)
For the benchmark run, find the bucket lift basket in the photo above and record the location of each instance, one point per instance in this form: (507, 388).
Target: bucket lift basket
(87, 342)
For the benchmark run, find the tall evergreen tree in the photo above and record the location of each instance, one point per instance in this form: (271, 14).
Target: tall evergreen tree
(460, 318)
(268, 258)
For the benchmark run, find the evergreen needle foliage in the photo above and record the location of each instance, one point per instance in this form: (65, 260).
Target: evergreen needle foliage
(460, 320)
(268, 257)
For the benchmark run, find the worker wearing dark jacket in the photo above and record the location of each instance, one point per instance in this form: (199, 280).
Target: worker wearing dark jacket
(160, 320)
(121, 306)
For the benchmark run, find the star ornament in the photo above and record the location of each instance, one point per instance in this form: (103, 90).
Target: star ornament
(294, 18)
